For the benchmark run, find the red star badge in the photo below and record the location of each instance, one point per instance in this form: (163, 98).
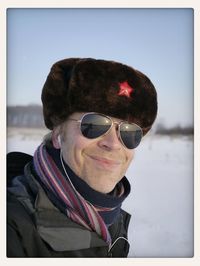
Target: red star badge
(125, 89)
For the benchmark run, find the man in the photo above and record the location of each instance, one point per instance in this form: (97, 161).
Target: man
(66, 200)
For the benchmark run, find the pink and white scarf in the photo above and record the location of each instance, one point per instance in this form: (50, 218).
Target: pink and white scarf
(77, 208)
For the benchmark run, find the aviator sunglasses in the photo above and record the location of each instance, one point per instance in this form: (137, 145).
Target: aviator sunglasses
(95, 125)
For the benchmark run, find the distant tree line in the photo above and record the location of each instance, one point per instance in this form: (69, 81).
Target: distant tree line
(175, 130)
(32, 116)
(25, 116)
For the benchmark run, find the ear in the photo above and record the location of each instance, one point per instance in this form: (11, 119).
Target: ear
(56, 138)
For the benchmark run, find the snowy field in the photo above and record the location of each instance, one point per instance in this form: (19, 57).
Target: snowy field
(161, 200)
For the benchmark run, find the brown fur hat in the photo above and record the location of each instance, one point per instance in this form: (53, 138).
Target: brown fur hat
(90, 85)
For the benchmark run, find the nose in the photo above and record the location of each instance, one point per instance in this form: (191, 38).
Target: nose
(110, 141)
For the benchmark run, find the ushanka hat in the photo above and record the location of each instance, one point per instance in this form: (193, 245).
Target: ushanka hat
(91, 85)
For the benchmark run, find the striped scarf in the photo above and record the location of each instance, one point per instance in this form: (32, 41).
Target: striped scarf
(77, 208)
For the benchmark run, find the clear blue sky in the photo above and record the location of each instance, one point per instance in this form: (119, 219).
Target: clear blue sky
(158, 42)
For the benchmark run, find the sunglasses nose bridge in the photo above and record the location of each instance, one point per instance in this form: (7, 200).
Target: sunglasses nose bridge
(111, 139)
(117, 128)
(117, 124)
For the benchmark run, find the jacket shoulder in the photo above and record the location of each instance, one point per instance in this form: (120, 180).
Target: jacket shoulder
(15, 164)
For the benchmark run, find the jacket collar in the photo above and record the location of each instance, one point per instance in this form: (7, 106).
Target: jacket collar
(55, 227)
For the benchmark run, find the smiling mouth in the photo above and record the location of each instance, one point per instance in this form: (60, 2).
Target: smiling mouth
(105, 162)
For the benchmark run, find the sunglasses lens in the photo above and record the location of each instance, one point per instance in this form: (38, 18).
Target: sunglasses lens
(95, 125)
(131, 135)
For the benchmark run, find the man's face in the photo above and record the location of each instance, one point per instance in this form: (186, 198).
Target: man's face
(100, 162)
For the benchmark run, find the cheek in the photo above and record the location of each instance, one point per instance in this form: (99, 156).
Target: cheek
(130, 156)
(71, 140)
(73, 148)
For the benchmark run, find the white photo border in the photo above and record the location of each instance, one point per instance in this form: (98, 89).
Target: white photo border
(195, 4)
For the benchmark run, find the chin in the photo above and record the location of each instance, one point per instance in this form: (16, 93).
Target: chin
(104, 187)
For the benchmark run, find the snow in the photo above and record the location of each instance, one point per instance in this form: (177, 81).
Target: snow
(161, 198)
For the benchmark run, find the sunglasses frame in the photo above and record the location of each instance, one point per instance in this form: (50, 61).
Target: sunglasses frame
(112, 123)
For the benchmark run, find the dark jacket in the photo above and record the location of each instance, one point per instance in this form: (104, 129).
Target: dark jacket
(37, 228)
